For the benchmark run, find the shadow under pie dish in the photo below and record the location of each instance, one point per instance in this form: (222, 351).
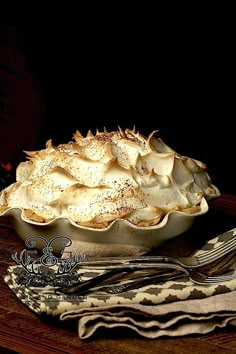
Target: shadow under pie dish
(112, 193)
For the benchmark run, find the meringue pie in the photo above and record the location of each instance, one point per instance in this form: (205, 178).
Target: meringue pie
(96, 179)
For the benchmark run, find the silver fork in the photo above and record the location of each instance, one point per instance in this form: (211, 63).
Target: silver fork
(218, 259)
(195, 276)
(120, 273)
(154, 272)
(194, 261)
(217, 266)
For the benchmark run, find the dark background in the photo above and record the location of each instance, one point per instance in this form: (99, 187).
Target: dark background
(178, 80)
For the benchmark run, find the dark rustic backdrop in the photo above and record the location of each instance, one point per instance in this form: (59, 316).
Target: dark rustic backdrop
(180, 84)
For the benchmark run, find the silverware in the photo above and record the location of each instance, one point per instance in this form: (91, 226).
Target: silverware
(159, 268)
(195, 276)
(216, 267)
(88, 285)
(157, 272)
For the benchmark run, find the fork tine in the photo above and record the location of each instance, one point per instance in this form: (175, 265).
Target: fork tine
(220, 278)
(220, 266)
(224, 245)
(221, 250)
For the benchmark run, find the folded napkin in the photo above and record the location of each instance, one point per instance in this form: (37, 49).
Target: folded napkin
(172, 308)
(178, 318)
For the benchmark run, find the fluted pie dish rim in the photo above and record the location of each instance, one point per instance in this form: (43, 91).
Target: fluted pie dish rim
(120, 237)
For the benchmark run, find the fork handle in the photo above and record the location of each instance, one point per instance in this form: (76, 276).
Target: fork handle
(109, 262)
(117, 289)
(82, 287)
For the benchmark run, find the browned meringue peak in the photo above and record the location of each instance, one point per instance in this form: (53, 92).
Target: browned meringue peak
(37, 153)
(99, 178)
(104, 146)
(158, 144)
(95, 150)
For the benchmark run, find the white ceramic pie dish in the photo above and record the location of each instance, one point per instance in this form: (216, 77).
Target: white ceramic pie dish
(120, 238)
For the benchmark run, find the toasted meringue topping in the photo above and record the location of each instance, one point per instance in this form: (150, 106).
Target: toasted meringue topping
(99, 178)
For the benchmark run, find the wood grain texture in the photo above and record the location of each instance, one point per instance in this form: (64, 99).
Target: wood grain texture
(23, 331)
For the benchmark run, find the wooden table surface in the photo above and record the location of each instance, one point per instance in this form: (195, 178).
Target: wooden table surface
(23, 331)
